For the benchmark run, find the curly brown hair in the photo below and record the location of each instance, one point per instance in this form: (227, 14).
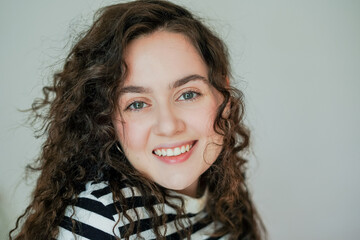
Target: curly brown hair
(81, 141)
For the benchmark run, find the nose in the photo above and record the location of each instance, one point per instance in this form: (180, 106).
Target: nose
(168, 121)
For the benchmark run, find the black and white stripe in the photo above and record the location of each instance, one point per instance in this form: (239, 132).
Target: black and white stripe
(94, 216)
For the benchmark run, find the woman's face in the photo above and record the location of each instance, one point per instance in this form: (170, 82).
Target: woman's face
(167, 111)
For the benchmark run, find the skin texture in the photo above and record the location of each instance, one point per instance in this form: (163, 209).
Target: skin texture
(161, 114)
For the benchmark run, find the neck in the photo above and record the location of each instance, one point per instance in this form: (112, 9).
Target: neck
(195, 190)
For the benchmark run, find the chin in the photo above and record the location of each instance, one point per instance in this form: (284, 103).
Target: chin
(178, 182)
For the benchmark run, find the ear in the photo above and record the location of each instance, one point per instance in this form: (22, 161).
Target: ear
(226, 112)
(227, 81)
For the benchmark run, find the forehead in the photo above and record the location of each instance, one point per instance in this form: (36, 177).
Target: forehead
(162, 55)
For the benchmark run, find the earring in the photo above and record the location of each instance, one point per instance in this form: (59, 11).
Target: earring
(117, 144)
(226, 114)
(228, 123)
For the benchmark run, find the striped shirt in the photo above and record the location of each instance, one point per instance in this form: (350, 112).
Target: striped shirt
(96, 217)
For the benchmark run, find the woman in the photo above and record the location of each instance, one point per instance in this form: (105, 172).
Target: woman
(144, 135)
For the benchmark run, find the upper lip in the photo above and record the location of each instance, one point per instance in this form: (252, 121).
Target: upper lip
(174, 145)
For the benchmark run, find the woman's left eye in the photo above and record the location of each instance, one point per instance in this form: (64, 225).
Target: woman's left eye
(190, 95)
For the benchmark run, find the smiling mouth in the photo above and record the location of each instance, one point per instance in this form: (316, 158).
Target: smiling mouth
(173, 152)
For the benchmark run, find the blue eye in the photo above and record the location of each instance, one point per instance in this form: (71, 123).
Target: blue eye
(189, 95)
(137, 105)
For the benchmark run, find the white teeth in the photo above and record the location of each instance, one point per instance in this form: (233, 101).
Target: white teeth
(169, 152)
(182, 149)
(177, 151)
(173, 151)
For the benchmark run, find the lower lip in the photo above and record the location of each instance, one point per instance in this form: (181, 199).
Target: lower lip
(177, 159)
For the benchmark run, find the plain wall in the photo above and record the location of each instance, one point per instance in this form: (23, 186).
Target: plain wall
(298, 63)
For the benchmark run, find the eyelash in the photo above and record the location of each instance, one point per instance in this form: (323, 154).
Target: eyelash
(197, 95)
(130, 107)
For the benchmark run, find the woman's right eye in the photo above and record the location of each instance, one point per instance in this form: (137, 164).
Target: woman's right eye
(137, 105)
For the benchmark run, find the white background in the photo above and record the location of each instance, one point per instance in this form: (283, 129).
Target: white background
(298, 63)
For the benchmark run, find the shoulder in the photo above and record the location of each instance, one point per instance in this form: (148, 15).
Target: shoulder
(93, 215)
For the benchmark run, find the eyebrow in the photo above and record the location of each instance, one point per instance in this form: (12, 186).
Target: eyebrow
(176, 84)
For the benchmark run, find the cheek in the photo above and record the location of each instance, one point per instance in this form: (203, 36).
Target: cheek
(132, 135)
(206, 117)
(202, 119)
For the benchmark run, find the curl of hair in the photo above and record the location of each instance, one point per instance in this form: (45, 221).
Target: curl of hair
(80, 137)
